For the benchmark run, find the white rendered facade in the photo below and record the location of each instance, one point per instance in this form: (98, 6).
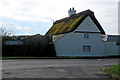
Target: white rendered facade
(76, 43)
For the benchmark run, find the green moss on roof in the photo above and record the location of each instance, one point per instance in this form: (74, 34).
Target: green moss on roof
(69, 24)
(64, 25)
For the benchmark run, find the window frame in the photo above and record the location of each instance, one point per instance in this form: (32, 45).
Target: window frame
(86, 35)
(86, 48)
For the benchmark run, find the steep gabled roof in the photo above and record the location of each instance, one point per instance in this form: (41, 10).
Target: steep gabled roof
(69, 24)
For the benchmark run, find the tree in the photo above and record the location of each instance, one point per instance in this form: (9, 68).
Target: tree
(5, 32)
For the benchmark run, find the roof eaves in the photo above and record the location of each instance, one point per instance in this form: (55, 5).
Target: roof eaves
(97, 23)
(56, 37)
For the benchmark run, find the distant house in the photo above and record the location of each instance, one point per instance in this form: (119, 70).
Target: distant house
(81, 35)
(12, 45)
(14, 40)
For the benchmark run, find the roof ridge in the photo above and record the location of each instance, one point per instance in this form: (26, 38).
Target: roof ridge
(86, 12)
(69, 24)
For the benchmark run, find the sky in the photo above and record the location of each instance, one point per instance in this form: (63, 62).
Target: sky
(29, 17)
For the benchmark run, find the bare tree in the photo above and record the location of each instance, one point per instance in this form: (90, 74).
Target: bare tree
(5, 32)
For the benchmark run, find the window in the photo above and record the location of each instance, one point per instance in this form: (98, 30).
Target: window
(86, 48)
(86, 35)
(118, 43)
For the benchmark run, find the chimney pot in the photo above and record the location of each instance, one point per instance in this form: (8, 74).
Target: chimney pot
(73, 8)
(71, 12)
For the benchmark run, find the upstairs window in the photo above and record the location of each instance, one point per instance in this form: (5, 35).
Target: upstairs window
(86, 48)
(86, 35)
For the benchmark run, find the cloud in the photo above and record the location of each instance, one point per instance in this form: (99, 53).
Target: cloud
(49, 10)
(28, 34)
(23, 28)
(35, 10)
(16, 28)
(21, 10)
(107, 14)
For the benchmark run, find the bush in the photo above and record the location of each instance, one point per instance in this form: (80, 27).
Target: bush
(35, 46)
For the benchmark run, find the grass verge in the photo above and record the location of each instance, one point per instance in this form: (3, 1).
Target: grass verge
(114, 71)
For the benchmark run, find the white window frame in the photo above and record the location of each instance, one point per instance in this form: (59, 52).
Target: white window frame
(86, 48)
(86, 35)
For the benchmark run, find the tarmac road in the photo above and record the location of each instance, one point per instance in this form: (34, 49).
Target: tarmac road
(56, 68)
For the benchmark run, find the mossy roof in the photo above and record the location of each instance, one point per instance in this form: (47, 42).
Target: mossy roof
(69, 24)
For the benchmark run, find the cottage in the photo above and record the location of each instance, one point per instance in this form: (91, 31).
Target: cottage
(80, 35)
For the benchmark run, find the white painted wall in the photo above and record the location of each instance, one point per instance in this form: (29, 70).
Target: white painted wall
(72, 43)
(63, 46)
(110, 48)
(94, 40)
(88, 25)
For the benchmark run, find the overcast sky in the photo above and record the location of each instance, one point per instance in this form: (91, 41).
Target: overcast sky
(36, 16)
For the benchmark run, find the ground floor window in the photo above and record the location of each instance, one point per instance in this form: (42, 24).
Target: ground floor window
(86, 48)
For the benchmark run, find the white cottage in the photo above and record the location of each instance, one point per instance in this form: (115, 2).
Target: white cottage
(80, 35)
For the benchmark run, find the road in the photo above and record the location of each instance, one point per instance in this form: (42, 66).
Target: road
(56, 68)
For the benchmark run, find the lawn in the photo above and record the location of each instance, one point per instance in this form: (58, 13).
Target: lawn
(114, 71)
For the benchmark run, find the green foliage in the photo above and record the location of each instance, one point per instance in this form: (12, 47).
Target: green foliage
(114, 71)
(33, 46)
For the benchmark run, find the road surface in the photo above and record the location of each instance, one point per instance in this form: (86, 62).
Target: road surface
(56, 68)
